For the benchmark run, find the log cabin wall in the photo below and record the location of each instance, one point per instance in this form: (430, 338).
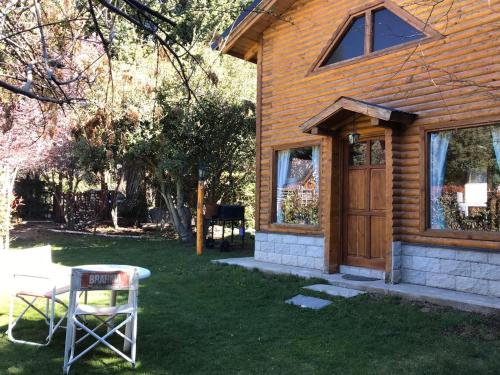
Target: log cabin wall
(450, 81)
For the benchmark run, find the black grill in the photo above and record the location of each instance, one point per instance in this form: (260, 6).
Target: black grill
(227, 212)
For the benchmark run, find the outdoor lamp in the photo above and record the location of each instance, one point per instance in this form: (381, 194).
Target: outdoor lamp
(202, 172)
(353, 136)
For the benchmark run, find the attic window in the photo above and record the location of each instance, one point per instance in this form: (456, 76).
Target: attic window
(374, 29)
(389, 30)
(352, 44)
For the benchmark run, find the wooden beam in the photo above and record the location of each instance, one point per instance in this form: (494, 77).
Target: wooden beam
(375, 122)
(345, 106)
(322, 131)
(389, 189)
(333, 200)
(258, 116)
(251, 54)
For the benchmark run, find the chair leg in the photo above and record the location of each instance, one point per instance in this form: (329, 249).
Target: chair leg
(11, 319)
(69, 347)
(13, 322)
(133, 349)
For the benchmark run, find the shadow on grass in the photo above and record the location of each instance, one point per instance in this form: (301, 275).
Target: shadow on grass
(201, 318)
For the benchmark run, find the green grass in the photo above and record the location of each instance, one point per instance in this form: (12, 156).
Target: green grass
(201, 318)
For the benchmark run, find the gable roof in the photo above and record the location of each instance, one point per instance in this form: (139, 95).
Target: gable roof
(333, 116)
(242, 37)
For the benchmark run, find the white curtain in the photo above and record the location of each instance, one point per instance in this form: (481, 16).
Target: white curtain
(495, 132)
(316, 165)
(439, 149)
(282, 176)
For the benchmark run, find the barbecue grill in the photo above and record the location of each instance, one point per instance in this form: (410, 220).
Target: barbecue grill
(232, 215)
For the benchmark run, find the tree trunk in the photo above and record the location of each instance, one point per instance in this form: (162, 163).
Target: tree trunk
(181, 215)
(8, 177)
(58, 205)
(114, 204)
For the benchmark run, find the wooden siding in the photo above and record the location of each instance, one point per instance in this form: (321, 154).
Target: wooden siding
(450, 81)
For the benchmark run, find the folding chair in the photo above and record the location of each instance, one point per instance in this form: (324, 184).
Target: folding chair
(83, 280)
(34, 277)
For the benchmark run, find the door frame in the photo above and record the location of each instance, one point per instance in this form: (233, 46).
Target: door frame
(334, 206)
(379, 263)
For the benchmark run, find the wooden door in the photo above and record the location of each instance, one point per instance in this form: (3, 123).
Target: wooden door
(364, 204)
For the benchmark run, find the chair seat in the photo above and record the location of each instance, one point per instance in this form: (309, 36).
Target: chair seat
(40, 284)
(104, 310)
(41, 292)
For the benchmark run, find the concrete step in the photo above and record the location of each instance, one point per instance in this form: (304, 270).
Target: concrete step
(444, 297)
(360, 271)
(335, 291)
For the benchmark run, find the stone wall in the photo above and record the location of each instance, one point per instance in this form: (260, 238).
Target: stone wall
(290, 249)
(465, 270)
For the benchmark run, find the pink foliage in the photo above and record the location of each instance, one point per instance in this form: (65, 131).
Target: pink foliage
(31, 133)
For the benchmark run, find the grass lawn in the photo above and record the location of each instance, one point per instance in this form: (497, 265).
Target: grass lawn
(200, 318)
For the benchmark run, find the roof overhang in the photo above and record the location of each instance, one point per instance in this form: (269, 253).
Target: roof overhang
(242, 38)
(334, 116)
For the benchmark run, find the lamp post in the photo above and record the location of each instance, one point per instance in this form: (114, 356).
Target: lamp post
(202, 176)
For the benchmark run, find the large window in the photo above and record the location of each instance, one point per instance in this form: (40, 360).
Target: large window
(464, 179)
(297, 186)
(387, 29)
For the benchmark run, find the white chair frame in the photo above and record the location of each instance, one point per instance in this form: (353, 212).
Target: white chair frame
(30, 299)
(78, 313)
(30, 270)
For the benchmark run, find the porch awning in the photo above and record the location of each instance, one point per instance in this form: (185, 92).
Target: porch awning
(334, 116)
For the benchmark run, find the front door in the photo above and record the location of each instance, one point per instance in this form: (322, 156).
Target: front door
(364, 204)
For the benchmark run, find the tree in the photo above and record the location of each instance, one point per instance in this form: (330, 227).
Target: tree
(38, 65)
(215, 130)
(106, 59)
(31, 133)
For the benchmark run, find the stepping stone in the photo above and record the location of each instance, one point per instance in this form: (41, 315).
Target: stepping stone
(334, 290)
(308, 302)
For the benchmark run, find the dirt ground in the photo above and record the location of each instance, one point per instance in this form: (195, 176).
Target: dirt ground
(32, 230)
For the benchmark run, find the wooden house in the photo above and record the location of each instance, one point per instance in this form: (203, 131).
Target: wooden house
(378, 133)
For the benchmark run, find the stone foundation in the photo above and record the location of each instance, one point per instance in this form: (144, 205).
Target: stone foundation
(290, 249)
(464, 270)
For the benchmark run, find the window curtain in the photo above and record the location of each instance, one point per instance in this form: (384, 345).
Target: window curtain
(316, 166)
(282, 176)
(439, 149)
(495, 132)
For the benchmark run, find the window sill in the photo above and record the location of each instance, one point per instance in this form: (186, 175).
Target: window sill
(313, 230)
(477, 236)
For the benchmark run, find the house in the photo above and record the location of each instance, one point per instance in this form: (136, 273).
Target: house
(378, 133)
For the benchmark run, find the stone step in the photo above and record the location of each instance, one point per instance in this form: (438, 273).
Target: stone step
(307, 302)
(458, 300)
(335, 291)
(360, 271)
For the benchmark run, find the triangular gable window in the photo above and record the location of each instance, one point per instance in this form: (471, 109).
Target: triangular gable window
(352, 44)
(390, 30)
(374, 29)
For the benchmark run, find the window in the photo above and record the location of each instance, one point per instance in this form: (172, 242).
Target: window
(464, 179)
(358, 156)
(387, 28)
(352, 44)
(297, 186)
